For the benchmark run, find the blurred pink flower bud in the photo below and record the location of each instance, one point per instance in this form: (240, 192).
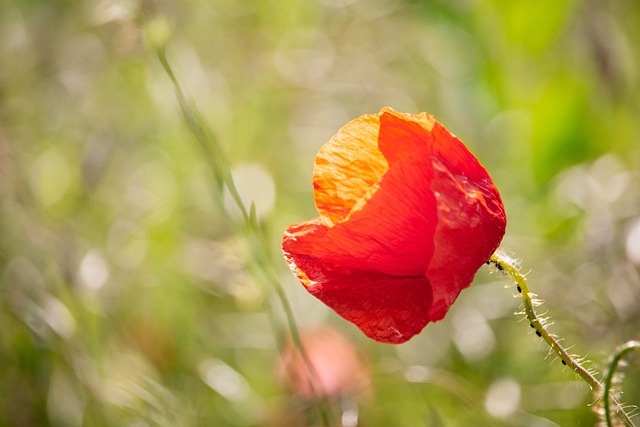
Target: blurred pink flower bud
(338, 369)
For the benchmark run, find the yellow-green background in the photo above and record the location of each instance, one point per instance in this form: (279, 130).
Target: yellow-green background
(120, 278)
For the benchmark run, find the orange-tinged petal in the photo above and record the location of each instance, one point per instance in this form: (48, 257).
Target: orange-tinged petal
(347, 167)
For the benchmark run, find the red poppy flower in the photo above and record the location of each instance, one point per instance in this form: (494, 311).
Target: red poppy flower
(407, 217)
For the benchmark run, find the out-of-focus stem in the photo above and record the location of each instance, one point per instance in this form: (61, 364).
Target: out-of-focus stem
(252, 231)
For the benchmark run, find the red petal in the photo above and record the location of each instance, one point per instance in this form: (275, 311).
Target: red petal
(402, 135)
(471, 219)
(298, 244)
(386, 308)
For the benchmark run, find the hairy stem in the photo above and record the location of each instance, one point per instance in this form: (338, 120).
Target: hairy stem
(509, 267)
(536, 324)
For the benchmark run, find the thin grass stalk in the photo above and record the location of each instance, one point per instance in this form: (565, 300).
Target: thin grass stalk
(254, 234)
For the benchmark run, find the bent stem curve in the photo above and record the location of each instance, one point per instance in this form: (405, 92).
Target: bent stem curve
(608, 380)
(509, 267)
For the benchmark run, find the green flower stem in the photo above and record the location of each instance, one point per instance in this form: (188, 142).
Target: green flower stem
(608, 380)
(508, 266)
(536, 324)
(204, 136)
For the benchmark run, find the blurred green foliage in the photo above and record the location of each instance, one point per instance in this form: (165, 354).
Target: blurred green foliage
(124, 297)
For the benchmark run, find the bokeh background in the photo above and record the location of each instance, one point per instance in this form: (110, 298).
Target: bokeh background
(125, 293)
